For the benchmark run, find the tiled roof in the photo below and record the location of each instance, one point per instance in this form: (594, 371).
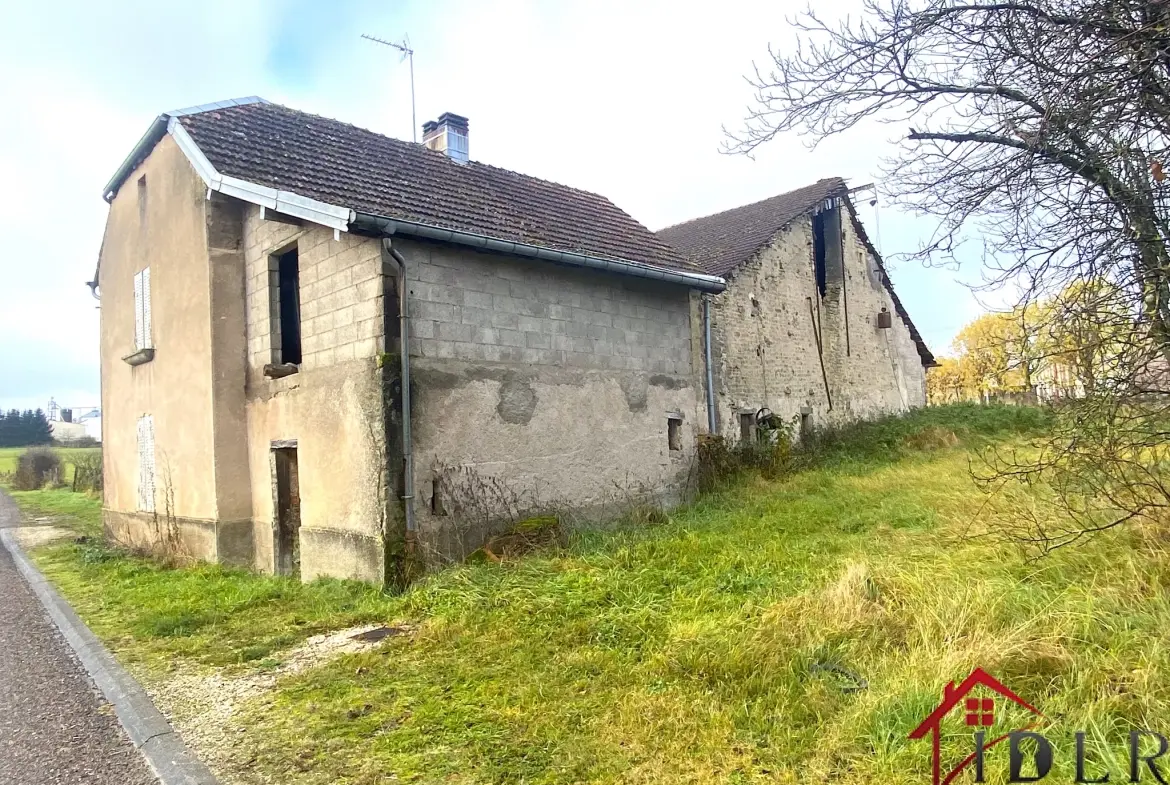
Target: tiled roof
(719, 243)
(341, 164)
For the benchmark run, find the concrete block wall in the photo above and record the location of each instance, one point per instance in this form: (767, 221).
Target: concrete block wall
(766, 351)
(476, 308)
(340, 293)
(332, 406)
(556, 382)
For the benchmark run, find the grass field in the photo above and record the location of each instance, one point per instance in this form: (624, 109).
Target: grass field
(8, 456)
(786, 631)
(81, 512)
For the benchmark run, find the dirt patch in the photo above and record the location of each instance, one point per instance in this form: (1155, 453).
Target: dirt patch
(41, 532)
(203, 704)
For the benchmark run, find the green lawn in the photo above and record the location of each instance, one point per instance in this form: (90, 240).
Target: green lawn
(725, 646)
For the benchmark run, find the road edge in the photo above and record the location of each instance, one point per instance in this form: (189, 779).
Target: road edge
(149, 731)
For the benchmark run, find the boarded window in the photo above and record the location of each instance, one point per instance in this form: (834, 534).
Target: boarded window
(747, 427)
(288, 306)
(287, 495)
(142, 329)
(146, 463)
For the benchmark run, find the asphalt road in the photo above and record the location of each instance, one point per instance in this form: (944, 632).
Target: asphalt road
(54, 725)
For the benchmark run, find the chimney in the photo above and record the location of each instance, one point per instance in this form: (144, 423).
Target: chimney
(448, 135)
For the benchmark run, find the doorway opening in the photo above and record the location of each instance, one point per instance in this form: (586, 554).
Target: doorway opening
(287, 496)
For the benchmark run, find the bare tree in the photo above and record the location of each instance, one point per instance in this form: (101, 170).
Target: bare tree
(1041, 128)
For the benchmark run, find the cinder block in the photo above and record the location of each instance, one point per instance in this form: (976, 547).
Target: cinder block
(439, 312)
(511, 337)
(364, 309)
(365, 347)
(477, 317)
(531, 324)
(505, 319)
(478, 299)
(504, 304)
(369, 328)
(342, 335)
(470, 352)
(422, 328)
(344, 352)
(448, 331)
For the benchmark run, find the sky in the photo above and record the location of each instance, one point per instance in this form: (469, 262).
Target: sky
(627, 99)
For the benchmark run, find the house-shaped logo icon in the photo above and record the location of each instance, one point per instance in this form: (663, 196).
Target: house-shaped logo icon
(978, 713)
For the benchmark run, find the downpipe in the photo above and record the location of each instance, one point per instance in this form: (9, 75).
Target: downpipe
(712, 420)
(404, 352)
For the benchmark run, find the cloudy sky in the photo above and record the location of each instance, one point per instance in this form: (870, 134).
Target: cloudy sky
(628, 99)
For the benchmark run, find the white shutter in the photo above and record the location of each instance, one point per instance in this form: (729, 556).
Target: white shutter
(147, 340)
(138, 324)
(146, 463)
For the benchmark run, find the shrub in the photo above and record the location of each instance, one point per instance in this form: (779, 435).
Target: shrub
(721, 461)
(772, 453)
(87, 472)
(35, 467)
(80, 441)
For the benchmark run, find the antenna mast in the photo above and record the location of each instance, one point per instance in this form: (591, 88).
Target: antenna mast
(407, 54)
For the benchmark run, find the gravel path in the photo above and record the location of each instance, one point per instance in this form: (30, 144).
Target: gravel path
(54, 726)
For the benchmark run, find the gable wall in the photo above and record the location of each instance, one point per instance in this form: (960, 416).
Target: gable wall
(173, 231)
(769, 357)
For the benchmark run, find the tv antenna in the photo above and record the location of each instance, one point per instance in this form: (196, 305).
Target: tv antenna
(407, 54)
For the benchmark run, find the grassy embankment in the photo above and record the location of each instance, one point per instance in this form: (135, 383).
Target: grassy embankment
(726, 645)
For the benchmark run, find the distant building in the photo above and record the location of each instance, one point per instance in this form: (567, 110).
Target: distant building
(68, 425)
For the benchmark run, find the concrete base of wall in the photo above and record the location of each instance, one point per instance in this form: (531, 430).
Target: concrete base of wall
(341, 554)
(444, 540)
(226, 542)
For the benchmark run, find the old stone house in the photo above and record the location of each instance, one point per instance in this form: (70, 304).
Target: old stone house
(809, 326)
(279, 289)
(326, 352)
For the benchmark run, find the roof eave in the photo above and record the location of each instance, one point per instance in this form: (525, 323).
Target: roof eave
(156, 131)
(390, 226)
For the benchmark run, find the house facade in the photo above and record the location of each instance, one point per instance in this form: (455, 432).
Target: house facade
(809, 326)
(327, 353)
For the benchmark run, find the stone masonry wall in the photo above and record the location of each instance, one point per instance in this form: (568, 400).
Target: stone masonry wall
(766, 351)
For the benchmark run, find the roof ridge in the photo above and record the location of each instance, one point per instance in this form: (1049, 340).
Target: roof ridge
(823, 180)
(211, 107)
